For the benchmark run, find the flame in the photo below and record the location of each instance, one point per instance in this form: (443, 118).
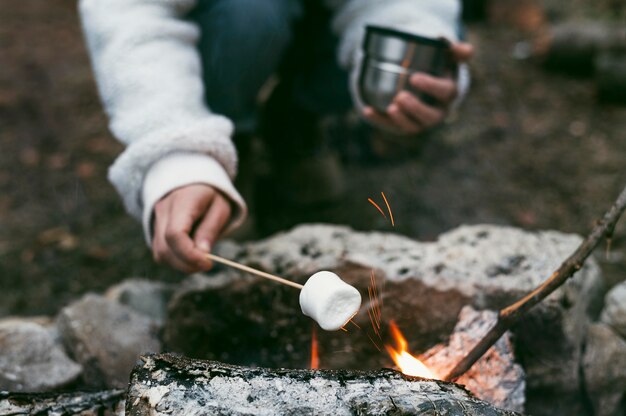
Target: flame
(406, 362)
(315, 358)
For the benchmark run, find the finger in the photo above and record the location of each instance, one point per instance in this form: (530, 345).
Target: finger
(160, 250)
(180, 224)
(401, 120)
(442, 89)
(171, 259)
(462, 51)
(427, 115)
(378, 118)
(212, 224)
(159, 246)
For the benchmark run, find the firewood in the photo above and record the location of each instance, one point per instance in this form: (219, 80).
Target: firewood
(168, 384)
(101, 403)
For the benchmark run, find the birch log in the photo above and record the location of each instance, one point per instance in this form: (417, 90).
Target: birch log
(166, 384)
(97, 403)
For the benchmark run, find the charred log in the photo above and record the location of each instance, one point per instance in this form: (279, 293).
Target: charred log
(100, 403)
(169, 384)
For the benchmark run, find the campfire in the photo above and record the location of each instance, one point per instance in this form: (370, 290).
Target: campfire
(447, 306)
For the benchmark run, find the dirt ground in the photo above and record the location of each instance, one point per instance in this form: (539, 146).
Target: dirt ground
(529, 148)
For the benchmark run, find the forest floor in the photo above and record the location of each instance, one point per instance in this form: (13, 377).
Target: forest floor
(529, 148)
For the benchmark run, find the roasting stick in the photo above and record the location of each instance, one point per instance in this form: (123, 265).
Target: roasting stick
(330, 301)
(256, 272)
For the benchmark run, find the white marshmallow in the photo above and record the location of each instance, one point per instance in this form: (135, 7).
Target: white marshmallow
(329, 300)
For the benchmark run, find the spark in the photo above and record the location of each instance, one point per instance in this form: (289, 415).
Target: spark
(376, 345)
(370, 311)
(388, 209)
(377, 207)
(377, 300)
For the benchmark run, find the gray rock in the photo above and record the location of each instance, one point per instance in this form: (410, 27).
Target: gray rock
(604, 366)
(106, 338)
(575, 44)
(495, 378)
(610, 74)
(614, 312)
(31, 359)
(245, 320)
(147, 297)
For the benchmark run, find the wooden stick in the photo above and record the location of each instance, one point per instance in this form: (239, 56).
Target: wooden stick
(508, 316)
(253, 271)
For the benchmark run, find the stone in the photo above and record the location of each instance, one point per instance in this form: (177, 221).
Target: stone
(614, 312)
(574, 45)
(170, 385)
(144, 296)
(496, 377)
(610, 73)
(241, 319)
(106, 338)
(604, 367)
(32, 359)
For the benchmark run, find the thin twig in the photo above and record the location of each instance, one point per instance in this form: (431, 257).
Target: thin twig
(509, 315)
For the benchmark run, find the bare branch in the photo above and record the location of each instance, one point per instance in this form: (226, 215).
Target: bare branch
(509, 315)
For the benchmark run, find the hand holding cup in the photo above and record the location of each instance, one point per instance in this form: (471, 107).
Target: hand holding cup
(406, 81)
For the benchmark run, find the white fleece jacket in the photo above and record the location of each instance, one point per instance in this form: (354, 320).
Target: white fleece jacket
(148, 72)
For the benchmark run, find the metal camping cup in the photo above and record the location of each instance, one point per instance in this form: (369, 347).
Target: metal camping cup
(391, 57)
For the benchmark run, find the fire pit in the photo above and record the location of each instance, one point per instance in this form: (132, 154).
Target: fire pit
(416, 307)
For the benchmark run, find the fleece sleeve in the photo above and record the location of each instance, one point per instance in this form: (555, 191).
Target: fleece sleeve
(179, 169)
(430, 18)
(149, 76)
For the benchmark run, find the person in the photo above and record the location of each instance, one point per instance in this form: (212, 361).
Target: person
(179, 79)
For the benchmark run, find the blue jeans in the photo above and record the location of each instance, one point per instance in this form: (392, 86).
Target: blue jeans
(244, 42)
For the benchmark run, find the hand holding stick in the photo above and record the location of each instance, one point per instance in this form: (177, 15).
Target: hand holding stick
(508, 316)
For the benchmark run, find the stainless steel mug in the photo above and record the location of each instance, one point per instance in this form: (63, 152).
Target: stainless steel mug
(391, 57)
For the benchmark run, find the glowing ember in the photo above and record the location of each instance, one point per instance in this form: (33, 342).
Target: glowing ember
(407, 363)
(393, 224)
(371, 201)
(315, 359)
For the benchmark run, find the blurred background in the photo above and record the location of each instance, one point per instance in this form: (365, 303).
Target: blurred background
(540, 143)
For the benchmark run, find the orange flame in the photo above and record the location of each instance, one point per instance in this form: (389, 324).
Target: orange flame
(315, 358)
(406, 362)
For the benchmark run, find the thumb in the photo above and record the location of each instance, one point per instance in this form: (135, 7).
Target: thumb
(212, 224)
(462, 51)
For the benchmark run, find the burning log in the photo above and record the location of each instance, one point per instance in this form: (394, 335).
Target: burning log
(168, 384)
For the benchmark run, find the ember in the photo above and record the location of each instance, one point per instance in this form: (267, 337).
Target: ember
(407, 363)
